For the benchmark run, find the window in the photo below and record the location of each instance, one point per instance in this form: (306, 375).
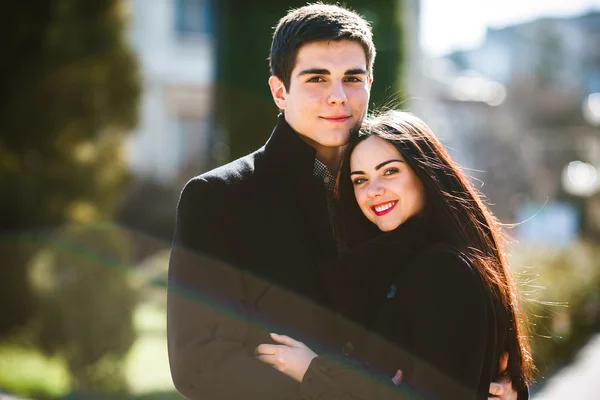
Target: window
(192, 17)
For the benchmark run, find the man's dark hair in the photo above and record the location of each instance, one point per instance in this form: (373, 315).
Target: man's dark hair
(316, 23)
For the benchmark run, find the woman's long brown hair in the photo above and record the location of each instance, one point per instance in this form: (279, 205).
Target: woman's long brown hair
(459, 216)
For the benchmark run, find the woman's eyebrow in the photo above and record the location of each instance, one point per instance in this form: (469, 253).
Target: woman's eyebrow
(378, 167)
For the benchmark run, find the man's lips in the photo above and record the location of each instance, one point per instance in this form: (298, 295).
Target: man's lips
(383, 208)
(337, 118)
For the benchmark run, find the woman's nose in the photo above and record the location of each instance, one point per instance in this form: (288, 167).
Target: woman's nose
(375, 189)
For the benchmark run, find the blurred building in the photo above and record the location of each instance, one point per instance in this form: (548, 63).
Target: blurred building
(174, 42)
(562, 51)
(518, 112)
(175, 45)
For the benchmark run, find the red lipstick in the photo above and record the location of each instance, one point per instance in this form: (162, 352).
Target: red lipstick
(384, 207)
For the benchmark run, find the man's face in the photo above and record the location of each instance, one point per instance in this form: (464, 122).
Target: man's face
(328, 93)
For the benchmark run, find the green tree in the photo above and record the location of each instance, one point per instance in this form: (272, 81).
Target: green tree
(70, 93)
(245, 111)
(87, 301)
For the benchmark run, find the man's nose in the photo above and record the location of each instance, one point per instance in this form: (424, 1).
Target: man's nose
(338, 94)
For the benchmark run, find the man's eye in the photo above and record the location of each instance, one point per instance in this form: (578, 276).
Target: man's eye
(353, 79)
(316, 79)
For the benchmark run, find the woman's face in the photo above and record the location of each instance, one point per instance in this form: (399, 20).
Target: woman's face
(387, 190)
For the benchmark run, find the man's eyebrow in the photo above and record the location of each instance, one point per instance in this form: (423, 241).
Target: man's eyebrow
(356, 71)
(323, 71)
(314, 71)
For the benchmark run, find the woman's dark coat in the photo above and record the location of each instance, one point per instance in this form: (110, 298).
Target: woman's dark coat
(412, 304)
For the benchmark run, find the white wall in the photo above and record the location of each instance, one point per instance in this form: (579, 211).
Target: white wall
(178, 76)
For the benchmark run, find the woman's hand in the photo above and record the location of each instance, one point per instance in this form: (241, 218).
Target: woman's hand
(502, 388)
(397, 379)
(291, 357)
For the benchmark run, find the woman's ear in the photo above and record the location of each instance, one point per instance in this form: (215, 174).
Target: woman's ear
(278, 91)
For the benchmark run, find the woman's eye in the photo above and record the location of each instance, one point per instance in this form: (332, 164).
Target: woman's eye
(358, 181)
(391, 171)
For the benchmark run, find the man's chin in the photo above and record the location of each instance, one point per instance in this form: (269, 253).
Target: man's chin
(338, 139)
(336, 142)
(355, 129)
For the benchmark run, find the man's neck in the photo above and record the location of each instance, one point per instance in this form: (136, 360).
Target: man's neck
(331, 157)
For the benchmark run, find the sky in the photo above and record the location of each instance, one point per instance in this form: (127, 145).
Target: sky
(448, 25)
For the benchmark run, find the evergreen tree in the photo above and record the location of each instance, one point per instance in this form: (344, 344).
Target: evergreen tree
(70, 93)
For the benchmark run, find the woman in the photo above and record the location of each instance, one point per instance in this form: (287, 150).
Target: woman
(427, 289)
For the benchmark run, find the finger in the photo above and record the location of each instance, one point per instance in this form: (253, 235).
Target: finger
(266, 349)
(397, 379)
(272, 360)
(496, 389)
(288, 341)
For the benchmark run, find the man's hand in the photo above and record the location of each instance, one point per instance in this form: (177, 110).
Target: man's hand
(502, 389)
(291, 357)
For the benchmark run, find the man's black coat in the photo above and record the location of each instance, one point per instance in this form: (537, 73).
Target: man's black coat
(249, 239)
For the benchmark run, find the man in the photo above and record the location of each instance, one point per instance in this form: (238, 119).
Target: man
(251, 235)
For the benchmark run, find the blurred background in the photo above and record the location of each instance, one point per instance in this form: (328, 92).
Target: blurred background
(110, 106)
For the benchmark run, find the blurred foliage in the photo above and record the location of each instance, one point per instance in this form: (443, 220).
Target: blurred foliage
(561, 291)
(70, 94)
(87, 302)
(24, 371)
(245, 110)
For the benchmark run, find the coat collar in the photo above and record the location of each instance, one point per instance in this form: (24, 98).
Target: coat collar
(287, 155)
(394, 248)
(288, 166)
(371, 270)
